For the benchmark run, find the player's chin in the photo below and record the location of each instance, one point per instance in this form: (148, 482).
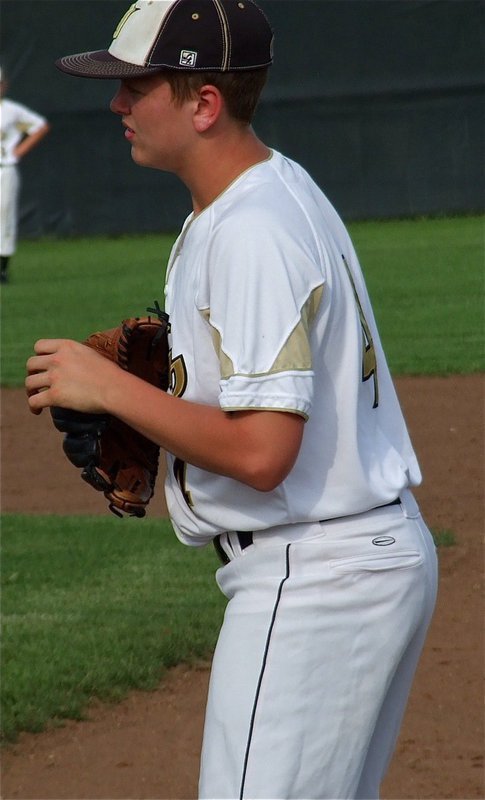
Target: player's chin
(141, 158)
(136, 155)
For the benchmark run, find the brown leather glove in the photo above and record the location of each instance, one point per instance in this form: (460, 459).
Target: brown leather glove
(115, 459)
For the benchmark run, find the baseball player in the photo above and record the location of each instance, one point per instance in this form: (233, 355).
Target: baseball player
(21, 130)
(286, 446)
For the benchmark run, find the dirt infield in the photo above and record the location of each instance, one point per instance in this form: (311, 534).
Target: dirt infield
(148, 745)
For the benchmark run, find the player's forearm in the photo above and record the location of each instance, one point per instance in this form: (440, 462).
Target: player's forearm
(257, 448)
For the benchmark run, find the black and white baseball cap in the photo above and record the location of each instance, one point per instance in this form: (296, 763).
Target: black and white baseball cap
(193, 35)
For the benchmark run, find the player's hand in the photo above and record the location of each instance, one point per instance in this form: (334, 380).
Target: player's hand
(68, 374)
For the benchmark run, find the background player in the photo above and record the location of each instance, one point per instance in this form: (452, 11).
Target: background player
(285, 441)
(21, 130)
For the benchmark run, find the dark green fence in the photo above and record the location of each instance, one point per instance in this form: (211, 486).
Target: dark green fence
(382, 100)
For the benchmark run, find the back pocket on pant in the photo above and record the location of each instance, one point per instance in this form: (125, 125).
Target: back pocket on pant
(369, 562)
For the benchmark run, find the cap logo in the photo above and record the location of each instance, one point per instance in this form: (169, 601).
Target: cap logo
(124, 19)
(187, 58)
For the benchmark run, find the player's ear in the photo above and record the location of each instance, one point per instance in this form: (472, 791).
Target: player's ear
(209, 107)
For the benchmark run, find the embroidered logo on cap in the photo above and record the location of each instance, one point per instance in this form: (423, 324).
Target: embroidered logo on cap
(124, 19)
(187, 58)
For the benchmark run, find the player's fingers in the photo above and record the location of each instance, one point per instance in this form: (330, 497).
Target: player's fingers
(35, 411)
(35, 400)
(47, 346)
(36, 381)
(36, 384)
(36, 364)
(47, 354)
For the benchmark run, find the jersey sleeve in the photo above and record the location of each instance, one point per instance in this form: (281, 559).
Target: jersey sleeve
(264, 292)
(27, 121)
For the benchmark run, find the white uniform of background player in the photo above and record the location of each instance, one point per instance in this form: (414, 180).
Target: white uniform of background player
(331, 576)
(329, 606)
(18, 124)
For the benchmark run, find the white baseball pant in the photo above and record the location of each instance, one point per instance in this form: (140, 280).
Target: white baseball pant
(316, 656)
(9, 192)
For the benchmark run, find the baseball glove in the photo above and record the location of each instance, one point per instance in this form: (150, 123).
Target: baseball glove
(114, 458)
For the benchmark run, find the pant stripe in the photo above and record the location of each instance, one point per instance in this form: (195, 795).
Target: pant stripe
(263, 667)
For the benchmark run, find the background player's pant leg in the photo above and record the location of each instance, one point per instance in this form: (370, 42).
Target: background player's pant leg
(313, 636)
(9, 191)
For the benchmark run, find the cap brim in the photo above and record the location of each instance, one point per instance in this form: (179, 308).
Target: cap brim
(101, 64)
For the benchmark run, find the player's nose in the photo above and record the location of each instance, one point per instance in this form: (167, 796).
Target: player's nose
(118, 104)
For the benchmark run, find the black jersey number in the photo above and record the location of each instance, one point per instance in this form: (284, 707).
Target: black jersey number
(369, 360)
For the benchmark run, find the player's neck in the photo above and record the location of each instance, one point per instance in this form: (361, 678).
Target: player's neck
(220, 162)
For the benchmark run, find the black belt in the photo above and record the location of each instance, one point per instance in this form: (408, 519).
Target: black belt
(245, 538)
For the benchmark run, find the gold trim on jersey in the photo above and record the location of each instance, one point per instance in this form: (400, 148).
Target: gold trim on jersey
(267, 408)
(295, 355)
(23, 127)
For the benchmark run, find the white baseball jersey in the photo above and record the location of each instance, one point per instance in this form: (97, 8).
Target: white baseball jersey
(269, 310)
(16, 121)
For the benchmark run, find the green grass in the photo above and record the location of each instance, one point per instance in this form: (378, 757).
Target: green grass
(444, 537)
(93, 606)
(426, 281)
(70, 288)
(425, 277)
